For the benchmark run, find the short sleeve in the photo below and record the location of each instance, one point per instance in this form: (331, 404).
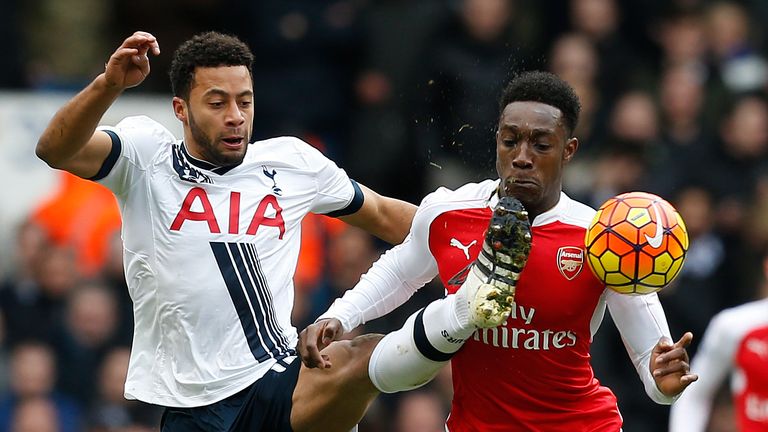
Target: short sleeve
(135, 142)
(337, 194)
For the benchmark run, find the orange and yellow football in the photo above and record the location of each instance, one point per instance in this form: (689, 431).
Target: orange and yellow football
(636, 243)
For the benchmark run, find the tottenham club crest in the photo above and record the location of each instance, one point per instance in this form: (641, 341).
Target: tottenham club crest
(570, 261)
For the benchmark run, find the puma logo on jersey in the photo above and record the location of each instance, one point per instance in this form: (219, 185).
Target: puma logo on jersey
(276, 190)
(758, 347)
(465, 249)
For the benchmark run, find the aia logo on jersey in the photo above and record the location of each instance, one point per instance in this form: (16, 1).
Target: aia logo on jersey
(268, 213)
(570, 261)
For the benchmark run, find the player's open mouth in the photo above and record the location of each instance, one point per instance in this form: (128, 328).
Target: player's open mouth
(518, 182)
(233, 141)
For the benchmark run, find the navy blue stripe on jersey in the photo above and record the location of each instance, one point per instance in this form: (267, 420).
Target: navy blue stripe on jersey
(111, 159)
(354, 205)
(422, 343)
(232, 279)
(265, 294)
(260, 302)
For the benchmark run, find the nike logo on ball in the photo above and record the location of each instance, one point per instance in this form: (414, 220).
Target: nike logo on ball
(655, 241)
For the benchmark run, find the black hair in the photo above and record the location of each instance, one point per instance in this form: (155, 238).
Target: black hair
(547, 88)
(209, 49)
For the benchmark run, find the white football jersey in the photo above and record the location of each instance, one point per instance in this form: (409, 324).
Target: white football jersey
(210, 255)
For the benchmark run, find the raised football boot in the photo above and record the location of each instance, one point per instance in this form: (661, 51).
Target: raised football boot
(490, 281)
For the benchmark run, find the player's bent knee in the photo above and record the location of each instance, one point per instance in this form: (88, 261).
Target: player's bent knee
(397, 365)
(359, 352)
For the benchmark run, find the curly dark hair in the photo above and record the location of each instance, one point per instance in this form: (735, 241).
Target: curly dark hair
(209, 49)
(547, 88)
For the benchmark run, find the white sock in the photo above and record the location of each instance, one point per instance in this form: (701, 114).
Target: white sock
(411, 356)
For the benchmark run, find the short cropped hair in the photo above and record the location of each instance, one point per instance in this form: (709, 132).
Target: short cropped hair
(547, 88)
(209, 49)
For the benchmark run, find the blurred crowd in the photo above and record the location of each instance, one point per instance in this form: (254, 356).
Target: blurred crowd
(403, 95)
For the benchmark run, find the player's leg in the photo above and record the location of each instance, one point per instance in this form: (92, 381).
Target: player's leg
(335, 399)
(412, 356)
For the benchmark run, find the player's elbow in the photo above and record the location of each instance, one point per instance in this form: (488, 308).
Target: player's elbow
(48, 154)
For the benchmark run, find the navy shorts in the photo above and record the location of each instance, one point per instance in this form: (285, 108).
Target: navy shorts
(263, 406)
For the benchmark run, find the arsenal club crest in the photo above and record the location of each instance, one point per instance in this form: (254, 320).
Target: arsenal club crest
(570, 261)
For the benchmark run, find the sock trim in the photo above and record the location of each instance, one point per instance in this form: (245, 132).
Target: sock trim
(422, 343)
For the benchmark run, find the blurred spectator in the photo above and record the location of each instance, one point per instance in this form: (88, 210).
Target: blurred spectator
(306, 53)
(396, 34)
(51, 27)
(33, 308)
(85, 338)
(734, 53)
(621, 164)
(739, 158)
(111, 412)
(621, 65)
(82, 215)
(36, 414)
(420, 411)
(706, 269)
(33, 375)
(681, 35)
(21, 299)
(685, 141)
(464, 71)
(573, 58)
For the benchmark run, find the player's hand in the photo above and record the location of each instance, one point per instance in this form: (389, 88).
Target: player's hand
(315, 338)
(129, 64)
(670, 365)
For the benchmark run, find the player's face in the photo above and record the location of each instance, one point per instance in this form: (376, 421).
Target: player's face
(218, 117)
(532, 147)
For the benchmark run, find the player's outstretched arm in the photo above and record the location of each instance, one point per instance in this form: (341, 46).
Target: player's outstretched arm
(387, 218)
(670, 365)
(70, 142)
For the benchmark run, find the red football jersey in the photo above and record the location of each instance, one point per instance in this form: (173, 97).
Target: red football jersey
(751, 400)
(533, 372)
(735, 343)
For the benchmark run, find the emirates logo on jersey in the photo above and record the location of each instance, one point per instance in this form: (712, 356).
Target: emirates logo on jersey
(570, 261)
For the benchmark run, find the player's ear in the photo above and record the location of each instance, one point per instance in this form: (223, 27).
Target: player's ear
(180, 109)
(571, 145)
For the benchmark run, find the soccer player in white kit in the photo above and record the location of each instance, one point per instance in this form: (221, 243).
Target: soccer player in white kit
(211, 228)
(531, 371)
(735, 347)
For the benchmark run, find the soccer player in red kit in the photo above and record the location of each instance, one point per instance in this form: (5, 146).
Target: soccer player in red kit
(734, 350)
(532, 372)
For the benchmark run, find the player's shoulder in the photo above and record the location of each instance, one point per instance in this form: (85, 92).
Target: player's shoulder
(746, 314)
(469, 195)
(144, 126)
(568, 211)
(287, 150)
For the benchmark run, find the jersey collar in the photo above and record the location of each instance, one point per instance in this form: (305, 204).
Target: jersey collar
(206, 165)
(544, 218)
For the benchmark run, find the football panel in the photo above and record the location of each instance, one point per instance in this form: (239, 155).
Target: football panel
(639, 217)
(617, 280)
